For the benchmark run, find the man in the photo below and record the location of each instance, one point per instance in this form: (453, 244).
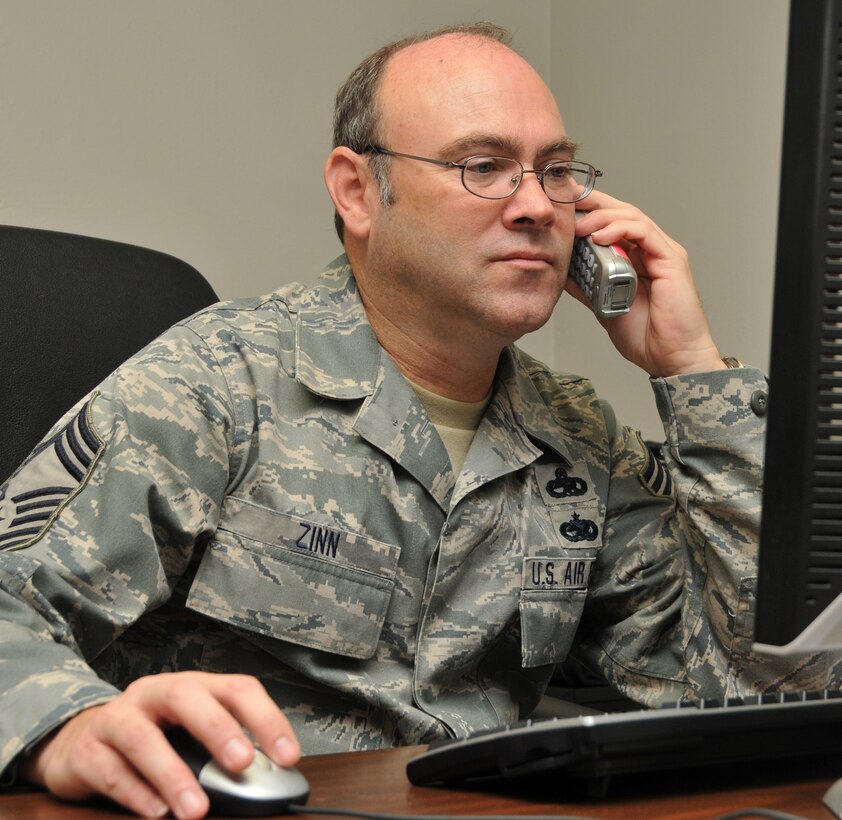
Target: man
(363, 497)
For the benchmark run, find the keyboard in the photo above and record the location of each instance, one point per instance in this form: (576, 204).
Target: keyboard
(597, 747)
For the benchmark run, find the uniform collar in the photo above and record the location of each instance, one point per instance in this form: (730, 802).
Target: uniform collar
(336, 352)
(338, 356)
(518, 375)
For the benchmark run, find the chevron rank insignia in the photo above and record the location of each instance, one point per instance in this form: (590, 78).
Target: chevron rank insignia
(55, 471)
(655, 476)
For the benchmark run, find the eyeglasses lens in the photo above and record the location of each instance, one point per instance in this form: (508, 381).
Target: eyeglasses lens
(499, 177)
(567, 181)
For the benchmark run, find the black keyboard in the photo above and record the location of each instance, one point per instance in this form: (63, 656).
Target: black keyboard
(595, 747)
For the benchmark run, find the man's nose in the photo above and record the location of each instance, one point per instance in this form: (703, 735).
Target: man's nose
(530, 201)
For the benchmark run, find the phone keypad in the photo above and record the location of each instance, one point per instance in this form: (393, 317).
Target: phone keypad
(583, 268)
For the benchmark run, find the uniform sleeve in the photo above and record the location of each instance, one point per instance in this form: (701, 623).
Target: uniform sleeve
(673, 599)
(99, 523)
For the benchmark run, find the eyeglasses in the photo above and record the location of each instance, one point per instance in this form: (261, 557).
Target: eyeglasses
(564, 181)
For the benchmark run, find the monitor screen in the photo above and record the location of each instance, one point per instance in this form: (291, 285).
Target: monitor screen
(800, 572)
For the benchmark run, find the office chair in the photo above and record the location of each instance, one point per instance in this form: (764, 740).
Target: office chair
(72, 308)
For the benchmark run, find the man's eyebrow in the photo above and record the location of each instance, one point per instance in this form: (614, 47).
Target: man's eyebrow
(564, 146)
(505, 145)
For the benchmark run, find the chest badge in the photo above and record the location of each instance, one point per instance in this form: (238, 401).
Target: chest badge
(566, 486)
(579, 529)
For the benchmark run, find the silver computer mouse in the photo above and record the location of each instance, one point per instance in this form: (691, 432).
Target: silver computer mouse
(263, 788)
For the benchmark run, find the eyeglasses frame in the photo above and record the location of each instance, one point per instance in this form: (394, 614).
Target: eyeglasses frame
(594, 172)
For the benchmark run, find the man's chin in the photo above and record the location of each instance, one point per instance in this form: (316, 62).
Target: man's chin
(513, 327)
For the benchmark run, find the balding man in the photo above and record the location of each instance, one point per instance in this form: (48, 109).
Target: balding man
(353, 514)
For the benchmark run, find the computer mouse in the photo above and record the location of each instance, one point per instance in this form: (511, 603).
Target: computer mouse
(263, 788)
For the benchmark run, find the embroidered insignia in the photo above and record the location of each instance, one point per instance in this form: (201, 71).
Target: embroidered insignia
(561, 485)
(564, 486)
(655, 476)
(52, 474)
(579, 529)
(546, 574)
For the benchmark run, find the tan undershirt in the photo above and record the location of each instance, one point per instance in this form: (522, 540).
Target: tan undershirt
(456, 421)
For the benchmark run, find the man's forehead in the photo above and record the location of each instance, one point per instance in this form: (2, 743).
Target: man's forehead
(464, 84)
(448, 56)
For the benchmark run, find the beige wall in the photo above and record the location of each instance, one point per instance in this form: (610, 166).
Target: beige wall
(682, 108)
(199, 127)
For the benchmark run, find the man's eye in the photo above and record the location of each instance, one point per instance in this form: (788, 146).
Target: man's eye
(557, 172)
(483, 166)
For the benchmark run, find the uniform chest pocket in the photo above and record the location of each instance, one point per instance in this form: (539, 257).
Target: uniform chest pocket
(311, 584)
(552, 597)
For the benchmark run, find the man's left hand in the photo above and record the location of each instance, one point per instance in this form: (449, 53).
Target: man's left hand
(665, 332)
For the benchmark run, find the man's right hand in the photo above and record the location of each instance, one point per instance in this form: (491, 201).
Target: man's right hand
(119, 749)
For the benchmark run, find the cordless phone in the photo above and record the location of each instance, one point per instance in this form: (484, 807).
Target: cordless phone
(605, 275)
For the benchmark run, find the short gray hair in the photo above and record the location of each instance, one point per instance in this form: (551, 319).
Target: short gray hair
(356, 116)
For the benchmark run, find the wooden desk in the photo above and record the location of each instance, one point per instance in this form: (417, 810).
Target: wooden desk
(376, 781)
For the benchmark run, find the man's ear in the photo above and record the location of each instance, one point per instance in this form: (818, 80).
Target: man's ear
(348, 178)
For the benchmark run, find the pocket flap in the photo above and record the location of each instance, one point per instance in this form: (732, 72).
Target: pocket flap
(553, 592)
(314, 585)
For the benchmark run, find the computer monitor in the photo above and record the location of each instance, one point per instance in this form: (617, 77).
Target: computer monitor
(800, 573)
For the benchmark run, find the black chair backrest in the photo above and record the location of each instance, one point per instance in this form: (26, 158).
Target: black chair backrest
(72, 308)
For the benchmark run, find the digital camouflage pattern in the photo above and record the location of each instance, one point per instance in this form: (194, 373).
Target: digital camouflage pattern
(260, 491)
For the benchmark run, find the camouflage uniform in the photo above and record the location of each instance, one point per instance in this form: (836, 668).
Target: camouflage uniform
(260, 491)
